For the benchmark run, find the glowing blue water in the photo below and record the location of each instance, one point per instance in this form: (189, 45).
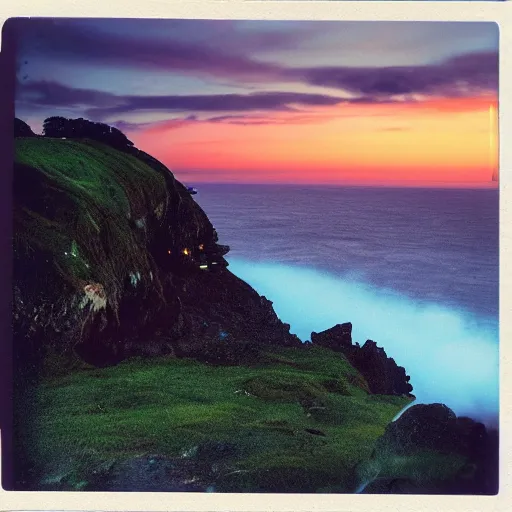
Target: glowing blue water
(415, 270)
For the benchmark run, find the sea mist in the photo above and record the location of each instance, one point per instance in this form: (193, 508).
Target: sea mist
(451, 355)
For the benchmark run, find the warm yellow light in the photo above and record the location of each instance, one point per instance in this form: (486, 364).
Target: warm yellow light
(186, 252)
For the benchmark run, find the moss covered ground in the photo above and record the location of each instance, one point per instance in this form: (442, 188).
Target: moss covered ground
(292, 429)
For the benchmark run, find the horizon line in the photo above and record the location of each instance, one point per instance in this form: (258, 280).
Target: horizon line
(493, 185)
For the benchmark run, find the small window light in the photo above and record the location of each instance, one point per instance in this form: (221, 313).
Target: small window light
(186, 252)
(201, 247)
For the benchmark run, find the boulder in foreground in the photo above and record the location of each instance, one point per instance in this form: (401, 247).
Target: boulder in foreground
(429, 450)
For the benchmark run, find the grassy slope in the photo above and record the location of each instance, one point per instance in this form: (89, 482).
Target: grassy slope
(104, 172)
(85, 188)
(168, 406)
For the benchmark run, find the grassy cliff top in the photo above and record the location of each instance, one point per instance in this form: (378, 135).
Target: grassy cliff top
(115, 180)
(301, 420)
(76, 202)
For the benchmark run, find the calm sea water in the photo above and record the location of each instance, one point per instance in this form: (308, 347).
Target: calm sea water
(414, 269)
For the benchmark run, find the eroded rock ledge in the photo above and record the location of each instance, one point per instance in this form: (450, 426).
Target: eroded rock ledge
(381, 372)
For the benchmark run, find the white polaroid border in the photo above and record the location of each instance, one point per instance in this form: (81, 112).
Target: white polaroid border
(500, 12)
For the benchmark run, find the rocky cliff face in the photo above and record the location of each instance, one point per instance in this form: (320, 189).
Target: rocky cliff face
(109, 267)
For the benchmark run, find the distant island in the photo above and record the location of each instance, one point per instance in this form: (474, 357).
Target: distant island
(143, 364)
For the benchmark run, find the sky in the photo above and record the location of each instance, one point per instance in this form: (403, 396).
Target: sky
(323, 102)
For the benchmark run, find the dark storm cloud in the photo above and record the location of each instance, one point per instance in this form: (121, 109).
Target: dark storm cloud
(247, 108)
(45, 93)
(219, 49)
(456, 76)
(295, 117)
(268, 101)
(99, 105)
(226, 56)
(82, 42)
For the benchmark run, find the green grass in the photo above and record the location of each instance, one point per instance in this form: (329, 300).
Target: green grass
(118, 181)
(167, 406)
(80, 208)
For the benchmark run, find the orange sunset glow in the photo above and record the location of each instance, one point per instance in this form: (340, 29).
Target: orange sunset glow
(346, 144)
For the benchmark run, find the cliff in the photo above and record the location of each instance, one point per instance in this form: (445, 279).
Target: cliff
(114, 258)
(142, 363)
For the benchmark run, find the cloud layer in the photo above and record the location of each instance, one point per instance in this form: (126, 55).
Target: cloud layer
(231, 52)
(458, 76)
(467, 75)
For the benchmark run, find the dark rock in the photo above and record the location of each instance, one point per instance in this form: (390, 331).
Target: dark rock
(195, 471)
(436, 428)
(152, 473)
(381, 372)
(336, 338)
(432, 427)
(215, 451)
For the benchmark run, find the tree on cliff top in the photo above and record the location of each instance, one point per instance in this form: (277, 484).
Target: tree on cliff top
(60, 127)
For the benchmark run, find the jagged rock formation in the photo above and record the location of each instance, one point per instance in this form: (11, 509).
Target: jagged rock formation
(381, 372)
(338, 338)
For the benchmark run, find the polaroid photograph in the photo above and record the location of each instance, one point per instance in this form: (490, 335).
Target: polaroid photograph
(252, 256)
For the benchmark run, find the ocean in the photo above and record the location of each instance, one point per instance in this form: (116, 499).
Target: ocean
(416, 270)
